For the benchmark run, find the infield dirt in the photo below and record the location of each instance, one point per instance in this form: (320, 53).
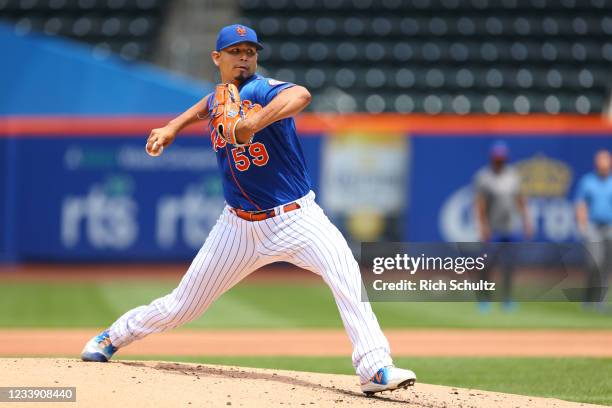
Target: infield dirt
(35, 342)
(166, 384)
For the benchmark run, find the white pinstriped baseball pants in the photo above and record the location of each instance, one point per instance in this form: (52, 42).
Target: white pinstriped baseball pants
(234, 248)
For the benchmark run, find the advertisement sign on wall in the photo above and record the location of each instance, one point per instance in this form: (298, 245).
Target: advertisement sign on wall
(442, 184)
(95, 198)
(363, 183)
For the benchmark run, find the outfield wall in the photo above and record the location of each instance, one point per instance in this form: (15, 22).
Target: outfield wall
(83, 189)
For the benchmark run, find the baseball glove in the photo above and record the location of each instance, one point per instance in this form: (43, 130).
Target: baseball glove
(227, 111)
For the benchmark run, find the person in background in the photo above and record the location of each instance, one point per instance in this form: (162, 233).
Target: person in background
(499, 204)
(594, 220)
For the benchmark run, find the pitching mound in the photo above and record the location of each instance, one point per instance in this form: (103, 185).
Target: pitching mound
(163, 384)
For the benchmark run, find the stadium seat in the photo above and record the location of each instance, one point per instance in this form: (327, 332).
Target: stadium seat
(439, 56)
(432, 56)
(128, 27)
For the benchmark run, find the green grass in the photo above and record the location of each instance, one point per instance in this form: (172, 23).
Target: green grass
(63, 304)
(573, 379)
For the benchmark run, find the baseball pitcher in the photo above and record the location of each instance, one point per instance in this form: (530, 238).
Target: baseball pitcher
(270, 214)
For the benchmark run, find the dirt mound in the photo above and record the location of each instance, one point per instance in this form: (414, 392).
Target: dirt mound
(164, 384)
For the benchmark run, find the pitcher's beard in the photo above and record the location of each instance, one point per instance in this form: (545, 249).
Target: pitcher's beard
(243, 76)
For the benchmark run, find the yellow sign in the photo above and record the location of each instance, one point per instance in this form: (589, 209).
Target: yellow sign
(544, 177)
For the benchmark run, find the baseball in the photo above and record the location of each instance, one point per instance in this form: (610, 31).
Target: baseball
(156, 150)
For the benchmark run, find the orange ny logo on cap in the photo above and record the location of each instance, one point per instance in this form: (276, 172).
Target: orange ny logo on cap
(241, 31)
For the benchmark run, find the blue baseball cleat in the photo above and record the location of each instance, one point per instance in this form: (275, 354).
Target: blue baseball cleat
(387, 379)
(99, 348)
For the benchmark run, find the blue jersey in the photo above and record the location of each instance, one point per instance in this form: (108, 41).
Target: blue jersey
(271, 171)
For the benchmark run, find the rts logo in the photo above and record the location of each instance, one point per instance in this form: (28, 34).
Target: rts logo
(189, 217)
(105, 216)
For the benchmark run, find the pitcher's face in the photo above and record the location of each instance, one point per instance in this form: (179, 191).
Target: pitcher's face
(236, 62)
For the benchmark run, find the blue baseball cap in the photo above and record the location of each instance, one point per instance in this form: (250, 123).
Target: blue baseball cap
(236, 33)
(499, 150)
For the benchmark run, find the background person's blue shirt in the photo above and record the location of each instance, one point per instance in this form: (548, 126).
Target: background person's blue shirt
(596, 192)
